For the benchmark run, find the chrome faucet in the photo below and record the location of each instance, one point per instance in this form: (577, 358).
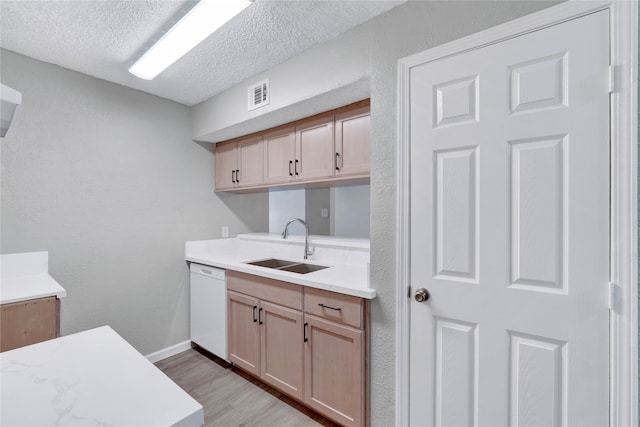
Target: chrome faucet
(285, 233)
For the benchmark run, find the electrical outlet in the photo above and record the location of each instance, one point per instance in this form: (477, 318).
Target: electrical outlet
(224, 231)
(324, 212)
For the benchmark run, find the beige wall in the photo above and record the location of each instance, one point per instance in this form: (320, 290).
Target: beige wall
(108, 181)
(370, 52)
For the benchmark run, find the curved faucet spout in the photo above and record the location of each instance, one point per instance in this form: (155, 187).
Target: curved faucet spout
(285, 233)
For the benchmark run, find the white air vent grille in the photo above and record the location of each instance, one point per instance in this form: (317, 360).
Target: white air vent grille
(259, 94)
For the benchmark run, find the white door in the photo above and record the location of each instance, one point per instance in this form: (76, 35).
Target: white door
(510, 231)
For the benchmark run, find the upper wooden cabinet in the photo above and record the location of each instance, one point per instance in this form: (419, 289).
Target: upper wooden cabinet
(326, 148)
(314, 150)
(239, 164)
(279, 155)
(353, 139)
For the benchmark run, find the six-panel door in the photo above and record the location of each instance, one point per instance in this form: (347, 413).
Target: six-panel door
(510, 231)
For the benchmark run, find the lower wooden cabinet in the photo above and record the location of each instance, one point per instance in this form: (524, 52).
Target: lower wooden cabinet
(243, 333)
(28, 322)
(310, 344)
(281, 351)
(335, 371)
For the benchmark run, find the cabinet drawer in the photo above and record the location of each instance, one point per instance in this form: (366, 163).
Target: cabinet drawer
(341, 308)
(283, 293)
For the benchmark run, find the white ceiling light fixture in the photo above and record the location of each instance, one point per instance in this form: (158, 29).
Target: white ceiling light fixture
(198, 24)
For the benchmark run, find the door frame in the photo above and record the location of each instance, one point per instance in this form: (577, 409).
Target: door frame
(623, 394)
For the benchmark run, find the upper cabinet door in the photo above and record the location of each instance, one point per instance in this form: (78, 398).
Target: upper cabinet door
(314, 149)
(250, 162)
(353, 141)
(279, 156)
(226, 162)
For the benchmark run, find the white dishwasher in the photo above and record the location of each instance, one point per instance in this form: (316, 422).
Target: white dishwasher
(209, 309)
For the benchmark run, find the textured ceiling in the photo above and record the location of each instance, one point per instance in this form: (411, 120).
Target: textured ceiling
(102, 38)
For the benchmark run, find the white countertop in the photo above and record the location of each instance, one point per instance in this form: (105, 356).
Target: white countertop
(92, 378)
(25, 276)
(347, 259)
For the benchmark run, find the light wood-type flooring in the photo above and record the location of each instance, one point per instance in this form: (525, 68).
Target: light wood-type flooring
(233, 398)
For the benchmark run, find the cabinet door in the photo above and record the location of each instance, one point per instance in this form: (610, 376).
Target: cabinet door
(243, 331)
(353, 141)
(335, 370)
(250, 162)
(226, 163)
(282, 348)
(314, 150)
(279, 156)
(28, 322)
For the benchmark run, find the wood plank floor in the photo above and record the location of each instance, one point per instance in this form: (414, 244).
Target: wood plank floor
(231, 397)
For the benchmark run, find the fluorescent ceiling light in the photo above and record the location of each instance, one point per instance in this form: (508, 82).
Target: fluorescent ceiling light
(198, 24)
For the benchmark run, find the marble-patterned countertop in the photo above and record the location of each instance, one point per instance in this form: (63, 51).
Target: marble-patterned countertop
(347, 259)
(25, 276)
(92, 378)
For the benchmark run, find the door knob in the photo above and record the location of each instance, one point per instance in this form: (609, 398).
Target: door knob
(422, 295)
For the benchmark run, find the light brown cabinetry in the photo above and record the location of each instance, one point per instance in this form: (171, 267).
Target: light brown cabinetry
(301, 153)
(28, 322)
(330, 148)
(309, 343)
(353, 141)
(281, 351)
(266, 338)
(243, 331)
(335, 355)
(314, 150)
(279, 155)
(239, 164)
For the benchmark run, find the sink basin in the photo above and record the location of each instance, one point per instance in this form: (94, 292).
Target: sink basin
(302, 268)
(284, 265)
(272, 263)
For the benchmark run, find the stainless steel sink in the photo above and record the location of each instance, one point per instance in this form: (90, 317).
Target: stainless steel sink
(302, 268)
(284, 265)
(272, 263)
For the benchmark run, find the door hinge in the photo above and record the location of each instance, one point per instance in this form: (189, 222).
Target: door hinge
(612, 78)
(613, 296)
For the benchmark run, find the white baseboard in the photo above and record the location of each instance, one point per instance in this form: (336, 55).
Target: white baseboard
(169, 351)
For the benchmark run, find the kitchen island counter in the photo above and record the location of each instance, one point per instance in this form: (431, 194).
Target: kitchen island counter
(90, 378)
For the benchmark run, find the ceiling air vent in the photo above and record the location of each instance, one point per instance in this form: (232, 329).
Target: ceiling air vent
(259, 94)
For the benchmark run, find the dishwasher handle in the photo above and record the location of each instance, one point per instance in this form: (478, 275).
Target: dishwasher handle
(205, 270)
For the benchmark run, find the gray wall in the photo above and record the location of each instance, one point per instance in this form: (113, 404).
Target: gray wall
(351, 211)
(369, 51)
(108, 181)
